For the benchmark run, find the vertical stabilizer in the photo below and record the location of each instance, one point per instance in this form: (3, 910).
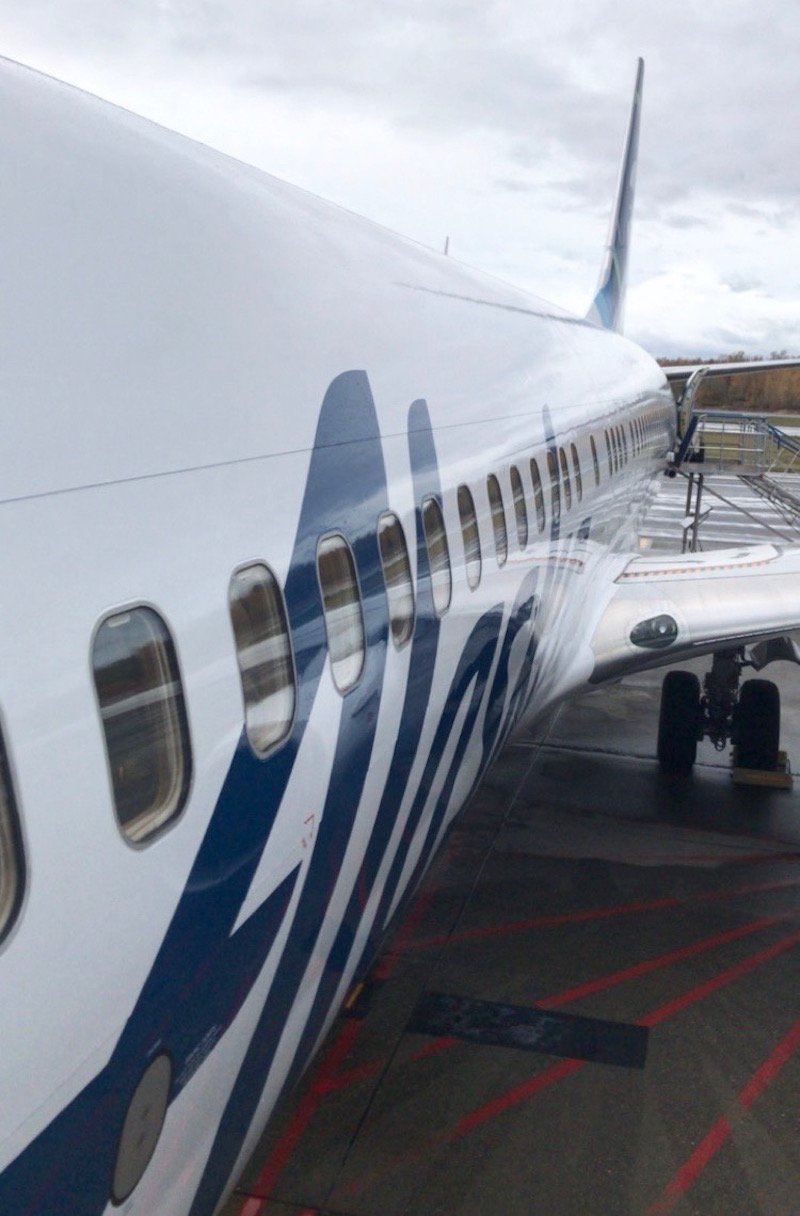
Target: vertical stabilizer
(608, 305)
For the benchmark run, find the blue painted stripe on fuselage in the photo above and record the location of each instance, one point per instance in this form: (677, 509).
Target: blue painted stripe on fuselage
(421, 664)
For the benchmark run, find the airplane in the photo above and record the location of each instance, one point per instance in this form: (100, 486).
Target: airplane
(307, 519)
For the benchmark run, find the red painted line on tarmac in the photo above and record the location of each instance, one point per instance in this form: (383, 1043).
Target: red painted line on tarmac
(520, 1093)
(565, 1068)
(596, 914)
(405, 934)
(328, 1080)
(325, 1079)
(668, 1010)
(685, 1178)
(403, 938)
(768, 1071)
(654, 1018)
(364, 1071)
(278, 1158)
(578, 992)
(433, 1049)
(276, 1161)
(693, 1168)
(352, 1077)
(654, 964)
(541, 922)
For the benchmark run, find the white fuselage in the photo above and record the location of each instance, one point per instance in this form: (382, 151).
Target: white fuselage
(202, 369)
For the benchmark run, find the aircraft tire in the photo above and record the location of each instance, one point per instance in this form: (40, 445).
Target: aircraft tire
(678, 721)
(757, 725)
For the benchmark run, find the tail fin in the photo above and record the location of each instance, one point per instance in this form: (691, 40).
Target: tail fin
(609, 302)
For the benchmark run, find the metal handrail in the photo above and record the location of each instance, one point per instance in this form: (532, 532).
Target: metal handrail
(743, 440)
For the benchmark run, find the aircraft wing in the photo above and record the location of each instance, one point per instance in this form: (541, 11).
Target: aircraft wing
(661, 610)
(682, 371)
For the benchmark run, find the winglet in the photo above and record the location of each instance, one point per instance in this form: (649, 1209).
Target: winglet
(609, 302)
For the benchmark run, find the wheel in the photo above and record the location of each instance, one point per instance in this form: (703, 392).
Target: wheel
(757, 725)
(679, 721)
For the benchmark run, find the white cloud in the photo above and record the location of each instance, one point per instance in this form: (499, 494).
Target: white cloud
(494, 121)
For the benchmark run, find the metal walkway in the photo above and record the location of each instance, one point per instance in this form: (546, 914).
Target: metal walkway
(738, 483)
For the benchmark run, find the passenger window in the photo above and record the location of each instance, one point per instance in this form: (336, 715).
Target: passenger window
(610, 454)
(624, 444)
(471, 537)
(576, 464)
(438, 555)
(397, 577)
(538, 496)
(264, 655)
(562, 456)
(595, 461)
(498, 518)
(617, 452)
(555, 486)
(341, 599)
(142, 708)
(11, 858)
(520, 510)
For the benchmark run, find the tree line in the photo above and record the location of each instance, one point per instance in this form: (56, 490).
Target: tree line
(763, 392)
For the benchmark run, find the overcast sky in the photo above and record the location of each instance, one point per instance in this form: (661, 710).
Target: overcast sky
(498, 123)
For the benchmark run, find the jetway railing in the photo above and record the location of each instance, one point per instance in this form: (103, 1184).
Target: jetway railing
(747, 444)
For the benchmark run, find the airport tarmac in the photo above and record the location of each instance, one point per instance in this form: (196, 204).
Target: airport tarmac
(665, 913)
(593, 1006)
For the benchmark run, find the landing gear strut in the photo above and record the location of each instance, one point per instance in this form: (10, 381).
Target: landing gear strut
(749, 717)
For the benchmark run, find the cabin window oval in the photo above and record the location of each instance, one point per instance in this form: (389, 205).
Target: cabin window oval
(538, 496)
(498, 518)
(396, 577)
(610, 454)
(555, 486)
(595, 461)
(341, 601)
(576, 465)
(470, 536)
(562, 456)
(143, 712)
(438, 555)
(12, 866)
(520, 509)
(264, 655)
